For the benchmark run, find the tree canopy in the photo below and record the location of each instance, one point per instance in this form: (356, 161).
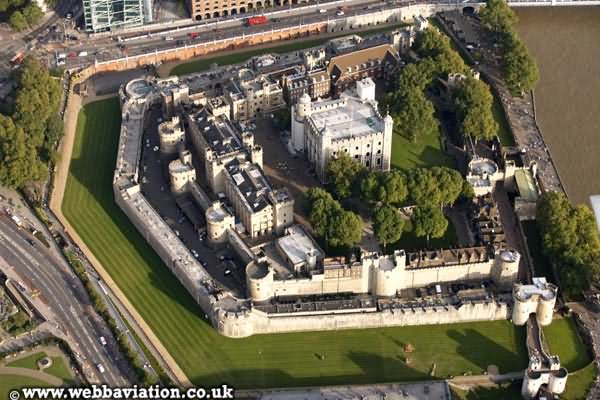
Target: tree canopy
(519, 67)
(21, 13)
(473, 105)
(415, 116)
(429, 221)
(336, 226)
(571, 241)
(388, 225)
(436, 186)
(341, 174)
(28, 137)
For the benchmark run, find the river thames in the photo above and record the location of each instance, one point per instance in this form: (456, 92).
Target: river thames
(566, 44)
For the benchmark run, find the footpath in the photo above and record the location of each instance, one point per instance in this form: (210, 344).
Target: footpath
(74, 105)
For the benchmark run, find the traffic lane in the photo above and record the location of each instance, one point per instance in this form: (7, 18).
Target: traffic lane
(56, 299)
(30, 260)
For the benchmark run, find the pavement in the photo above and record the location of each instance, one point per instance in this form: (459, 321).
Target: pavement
(63, 302)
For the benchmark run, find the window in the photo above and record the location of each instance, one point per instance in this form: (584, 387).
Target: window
(378, 151)
(368, 154)
(379, 161)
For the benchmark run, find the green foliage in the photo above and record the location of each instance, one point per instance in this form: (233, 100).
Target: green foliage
(17, 21)
(440, 58)
(497, 16)
(436, 186)
(571, 241)
(388, 225)
(32, 14)
(342, 173)
(338, 227)
(415, 116)
(429, 221)
(17, 324)
(473, 104)
(282, 119)
(521, 72)
(28, 138)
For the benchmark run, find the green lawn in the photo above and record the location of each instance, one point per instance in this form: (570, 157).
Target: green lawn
(29, 362)
(425, 152)
(357, 356)
(58, 368)
(203, 64)
(504, 132)
(563, 340)
(10, 382)
(579, 382)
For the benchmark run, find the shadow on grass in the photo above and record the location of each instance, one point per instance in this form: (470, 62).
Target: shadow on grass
(375, 369)
(482, 351)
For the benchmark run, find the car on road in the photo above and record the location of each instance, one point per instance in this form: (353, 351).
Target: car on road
(31, 242)
(100, 368)
(227, 272)
(323, 11)
(168, 38)
(102, 340)
(339, 13)
(195, 253)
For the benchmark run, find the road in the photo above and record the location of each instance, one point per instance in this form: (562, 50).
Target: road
(65, 296)
(105, 48)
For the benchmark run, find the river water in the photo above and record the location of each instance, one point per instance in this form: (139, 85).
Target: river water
(566, 44)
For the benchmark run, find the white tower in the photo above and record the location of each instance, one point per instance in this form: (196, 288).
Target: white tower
(300, 111)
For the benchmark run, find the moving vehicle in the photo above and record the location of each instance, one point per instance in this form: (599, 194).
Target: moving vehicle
(100, 368)
(102, 340)
(322, 11)
(258, 20)
(193, 35)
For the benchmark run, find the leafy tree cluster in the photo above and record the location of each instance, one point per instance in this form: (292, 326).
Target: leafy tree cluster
(430, 189)
(571, 241)
(335, 225)
(21, 13)
(519, 68)
(29, 136)
(473, 103)
(412, 111)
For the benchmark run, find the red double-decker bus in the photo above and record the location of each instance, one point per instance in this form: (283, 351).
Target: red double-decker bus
(258, 20)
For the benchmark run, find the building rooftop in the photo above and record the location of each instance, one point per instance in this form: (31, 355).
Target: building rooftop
(540, 287)
(297, 245)
(345, 64)
(526, 185)
(218, 132)
(251, 182)
(346, 117)
(444, 257)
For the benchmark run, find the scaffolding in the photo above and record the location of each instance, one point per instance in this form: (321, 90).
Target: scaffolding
(104, 15)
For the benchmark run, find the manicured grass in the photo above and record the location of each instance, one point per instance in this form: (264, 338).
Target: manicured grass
(502, 392)
(60, 369)
(579, 383)
(316, 358)
(10, 382)
(504, 132)
(29, 362)
(425, 152)
(564, 341)
(203, 64)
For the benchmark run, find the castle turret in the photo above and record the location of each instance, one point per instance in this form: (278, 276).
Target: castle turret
(181, 171)
(558, 381)
(388, 273)
(170, 135)
(218, 220)
(259, 280)
(532, 382)
(506, 267)
(539, 298)
(300, 111)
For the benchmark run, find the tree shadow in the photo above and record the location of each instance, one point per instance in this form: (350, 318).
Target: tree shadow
(482, 351)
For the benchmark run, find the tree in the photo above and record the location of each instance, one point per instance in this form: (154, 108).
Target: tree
(388, 225)
(393, 189)
(450, 184)
(345, 229)
(571, 241)
(17, 21)
(440, 57)
(369, 187)
(18, 158)
(32, 14)
(429, 221)
(416, 116)
(497, 16)
(342, 173)
(338, 227)
(473, 102)
(521, 72)
(423, 188)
